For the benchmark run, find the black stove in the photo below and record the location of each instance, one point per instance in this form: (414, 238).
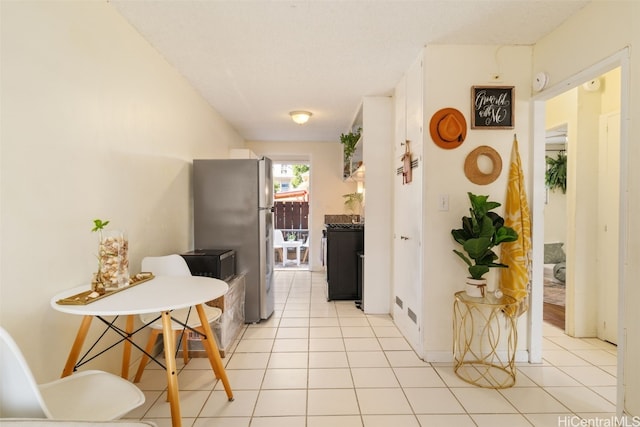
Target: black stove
(344, 244)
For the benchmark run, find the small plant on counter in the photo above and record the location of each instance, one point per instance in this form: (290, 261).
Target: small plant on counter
(99, 225)
(353, 203)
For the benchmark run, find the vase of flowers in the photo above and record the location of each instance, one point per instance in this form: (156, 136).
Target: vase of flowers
(113, 259)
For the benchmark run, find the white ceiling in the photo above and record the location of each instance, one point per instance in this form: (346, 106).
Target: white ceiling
(256, 60)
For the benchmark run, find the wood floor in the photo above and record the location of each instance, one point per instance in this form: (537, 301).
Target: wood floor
(553, 314)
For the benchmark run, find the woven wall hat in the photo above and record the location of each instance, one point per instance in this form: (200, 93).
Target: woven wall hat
(472, 170)
(448, 128)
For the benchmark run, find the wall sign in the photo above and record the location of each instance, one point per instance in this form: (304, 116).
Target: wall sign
(492, 107)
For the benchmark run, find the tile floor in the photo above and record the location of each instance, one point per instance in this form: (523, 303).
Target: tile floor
(317, 363)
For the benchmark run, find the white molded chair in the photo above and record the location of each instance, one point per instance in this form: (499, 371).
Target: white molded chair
(278, 240)
(172, 265)
(43, 422)
(83, 396)
(305, 247)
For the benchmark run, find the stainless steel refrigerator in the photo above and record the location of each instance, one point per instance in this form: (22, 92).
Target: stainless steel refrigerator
(233, 209)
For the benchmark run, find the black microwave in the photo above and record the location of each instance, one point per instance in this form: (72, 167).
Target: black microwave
(216, 263)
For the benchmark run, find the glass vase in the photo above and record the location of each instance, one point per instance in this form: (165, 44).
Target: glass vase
(113, 260)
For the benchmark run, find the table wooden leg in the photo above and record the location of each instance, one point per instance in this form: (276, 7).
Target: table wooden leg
(172, 372)
(77, 346)
(213, 352)
(126, 351)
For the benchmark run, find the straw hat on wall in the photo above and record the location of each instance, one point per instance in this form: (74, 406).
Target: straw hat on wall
(448, 128)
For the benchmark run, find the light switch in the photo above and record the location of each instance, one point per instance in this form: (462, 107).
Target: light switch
(443, 202)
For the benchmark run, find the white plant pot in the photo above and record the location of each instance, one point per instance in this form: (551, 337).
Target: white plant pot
(476, 287)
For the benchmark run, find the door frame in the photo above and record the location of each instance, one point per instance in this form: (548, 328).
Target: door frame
(619, 59)
(605, 302)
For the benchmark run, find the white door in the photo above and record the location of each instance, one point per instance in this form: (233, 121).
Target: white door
(608, 226)
(407, 277)
(407, 302)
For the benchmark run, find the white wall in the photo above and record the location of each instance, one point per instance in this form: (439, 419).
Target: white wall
(599, 31)
(555, 213)
(377, 137)
(448, 81)
(95, 124)
(582, 184)
(326, 186)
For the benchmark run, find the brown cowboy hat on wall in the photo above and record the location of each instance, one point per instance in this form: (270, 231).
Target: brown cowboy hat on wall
(448, 128)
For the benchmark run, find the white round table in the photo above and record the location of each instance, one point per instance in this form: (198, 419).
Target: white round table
(160, 294)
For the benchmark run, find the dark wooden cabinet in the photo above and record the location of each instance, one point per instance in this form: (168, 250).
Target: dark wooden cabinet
(344, 246)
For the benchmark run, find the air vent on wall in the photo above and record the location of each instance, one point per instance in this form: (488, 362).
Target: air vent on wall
(412, 315)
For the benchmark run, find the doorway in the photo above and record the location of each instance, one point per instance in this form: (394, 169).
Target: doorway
(581, 210)
(291, 215)
(585, 182)
(555, 219)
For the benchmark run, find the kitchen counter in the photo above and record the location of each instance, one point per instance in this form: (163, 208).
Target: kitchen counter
(341, 219)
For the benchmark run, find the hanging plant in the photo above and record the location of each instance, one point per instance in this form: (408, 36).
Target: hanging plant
(556, 175)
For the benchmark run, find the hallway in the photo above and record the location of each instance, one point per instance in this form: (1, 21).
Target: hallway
(317, 363)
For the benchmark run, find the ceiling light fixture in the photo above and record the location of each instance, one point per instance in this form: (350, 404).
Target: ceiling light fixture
(300, 117)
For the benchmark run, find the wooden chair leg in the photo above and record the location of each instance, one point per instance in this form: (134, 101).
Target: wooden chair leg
(145, 359)
(185, 347)
(126, 352)
(213, 352)
(201, 330)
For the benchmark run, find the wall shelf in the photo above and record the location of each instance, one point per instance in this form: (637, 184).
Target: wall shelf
(353, 168)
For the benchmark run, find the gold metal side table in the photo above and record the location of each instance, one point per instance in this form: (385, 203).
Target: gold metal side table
(484, 340)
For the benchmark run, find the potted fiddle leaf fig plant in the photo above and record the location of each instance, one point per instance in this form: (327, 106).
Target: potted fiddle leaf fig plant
(481, 232)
